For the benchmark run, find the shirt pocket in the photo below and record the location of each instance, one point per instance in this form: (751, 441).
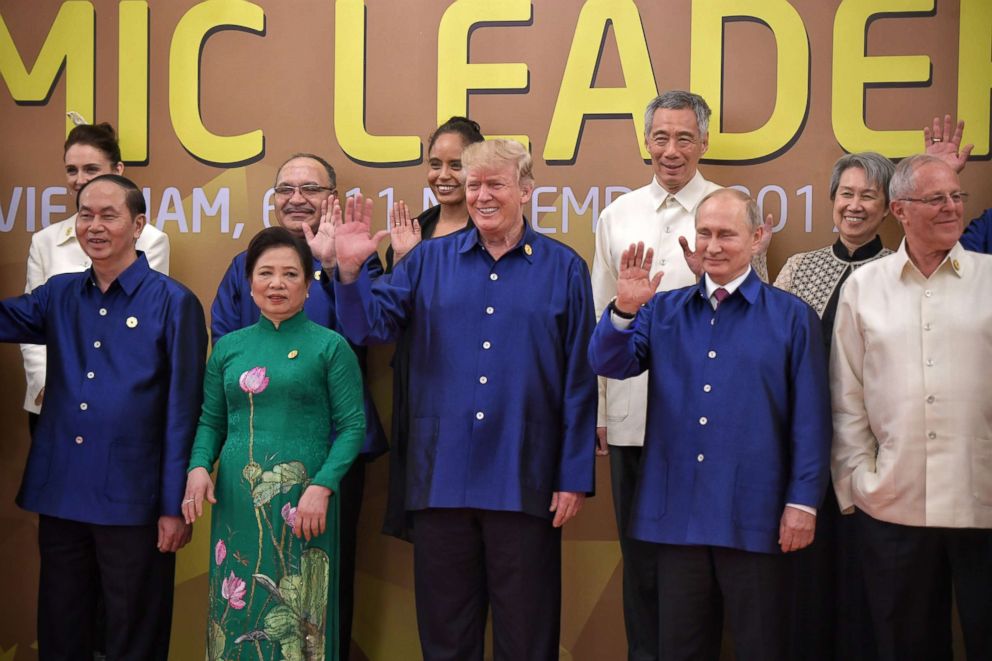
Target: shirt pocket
(133, 472)
(617, 400)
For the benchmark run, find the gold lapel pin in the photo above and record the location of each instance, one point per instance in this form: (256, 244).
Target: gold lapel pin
(528, 249)
(293, 354)
(316, 275)
(132, 322)
(956, 264)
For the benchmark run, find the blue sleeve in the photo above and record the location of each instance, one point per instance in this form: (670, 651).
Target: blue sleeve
(225, 313)
(577, 466)
(186, 344)
(977, 236)
(811, 426)
(375, 312)
(621, 354)
(22, 318)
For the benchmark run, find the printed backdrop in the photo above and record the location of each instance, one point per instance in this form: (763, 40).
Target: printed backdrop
(210, 97)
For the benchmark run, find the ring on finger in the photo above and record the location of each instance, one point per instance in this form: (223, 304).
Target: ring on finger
(935, 140)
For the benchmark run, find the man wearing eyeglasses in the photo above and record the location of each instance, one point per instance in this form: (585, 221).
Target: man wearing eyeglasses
(304, 189)
(912, 449)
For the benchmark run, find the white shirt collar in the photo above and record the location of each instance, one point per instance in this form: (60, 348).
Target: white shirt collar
(731, 286)
(688, 196)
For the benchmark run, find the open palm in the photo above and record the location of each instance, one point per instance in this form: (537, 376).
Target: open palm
(635, 286)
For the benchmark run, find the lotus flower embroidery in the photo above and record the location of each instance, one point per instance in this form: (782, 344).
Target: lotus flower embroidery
(220, 552)
(254, 381)
(233, 589)
(289, 515)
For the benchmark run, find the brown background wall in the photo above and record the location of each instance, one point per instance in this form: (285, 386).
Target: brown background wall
(283, 81)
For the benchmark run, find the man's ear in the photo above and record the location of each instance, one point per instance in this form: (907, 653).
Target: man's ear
(139, 225)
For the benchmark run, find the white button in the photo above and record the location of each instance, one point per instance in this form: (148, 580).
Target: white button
(931, 399)
(713, 321)
(480, 415)
(926, 326)
(929, 362)
(487, 344)
(699, 457)
(483, 380)
(83, 406)
(703, 420)
(664, 261)
(928, 293)
(932, 434)
(712, 354)
(490, 310)
(103, 312)
(96, 345)
(707, 388)
(668, 230)
(79, 440)
(90, 375)
(493, 276)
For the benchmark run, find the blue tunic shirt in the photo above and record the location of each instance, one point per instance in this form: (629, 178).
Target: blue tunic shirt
(738, 419)
(977, 236)
(234, 309)
(502, 399)
(124, 387)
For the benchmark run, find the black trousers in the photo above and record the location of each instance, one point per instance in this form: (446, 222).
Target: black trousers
(350, 491)
(698, 584)
(640, 575)
(466, 559)
(80, 561)
(909, 572)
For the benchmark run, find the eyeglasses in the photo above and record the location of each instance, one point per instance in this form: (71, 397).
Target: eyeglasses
(681, 142)
(306, 190)
(938, 200)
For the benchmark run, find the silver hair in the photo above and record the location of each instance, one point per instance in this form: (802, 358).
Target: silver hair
(902, 184)
(878, 171)
(752, 213)
(679, 100)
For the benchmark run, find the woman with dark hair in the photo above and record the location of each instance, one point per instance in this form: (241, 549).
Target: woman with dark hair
(90, 150)
(446, 178)
(272, 393)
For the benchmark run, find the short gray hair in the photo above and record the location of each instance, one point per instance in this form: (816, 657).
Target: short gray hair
(679, 100)
(902, 183)
(752, 213)
(322, 162)
(878, 171)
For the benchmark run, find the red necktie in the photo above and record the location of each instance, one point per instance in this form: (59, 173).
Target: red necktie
(720, 294)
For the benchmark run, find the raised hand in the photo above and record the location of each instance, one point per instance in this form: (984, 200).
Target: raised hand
(353, 241)
(321, 242)
(692, 258)
(635, 286)
(944, 142)
(766, 236)
(404, 232)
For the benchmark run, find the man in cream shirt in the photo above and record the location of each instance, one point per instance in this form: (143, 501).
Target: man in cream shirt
(911, 373)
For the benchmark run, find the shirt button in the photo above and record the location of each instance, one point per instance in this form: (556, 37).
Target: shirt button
(96, 345)
(103, 312)
(707, 388)
(493, 276)
(932, 435)
(664, 261)
(712, 354)
(931, 399)
(480, 415)
(490, 310)
(926, 326)
(487, 344)
(928, 293)
(668, 230)
(483, 380)
(90, 375)
(929, 362)
(79, 440)
(83, 406)
(703, 420)
(699, 457)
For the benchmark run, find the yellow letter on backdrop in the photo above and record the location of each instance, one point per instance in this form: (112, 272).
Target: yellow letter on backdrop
(132, 77)
(577, 98)
(456, 75)
(184, 81)
(349, 95)
(853, 70)
(791, 85)
(975, 71)
(70, 41)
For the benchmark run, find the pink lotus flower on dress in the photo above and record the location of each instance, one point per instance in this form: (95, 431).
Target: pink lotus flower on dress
(254, 380)
(233, 589)
(289, 515)
(220, 552)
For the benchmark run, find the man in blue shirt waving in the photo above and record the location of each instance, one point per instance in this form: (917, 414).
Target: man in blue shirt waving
(737, 441)
(107, 467)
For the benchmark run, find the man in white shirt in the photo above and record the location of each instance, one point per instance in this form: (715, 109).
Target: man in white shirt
(676, 134)
(912, 449)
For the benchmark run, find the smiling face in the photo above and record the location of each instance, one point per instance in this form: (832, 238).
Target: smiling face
(104, 226)
(446, 176)
(84, 162)
(278, 283)
(496, 199)
(931, 229)
(859, 208)
(724, 238)
(676, 146)
(293, 210)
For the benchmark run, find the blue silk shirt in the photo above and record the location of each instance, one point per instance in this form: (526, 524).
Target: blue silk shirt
(233, 309)
(502, 399)
(738, 419)
(123, 390)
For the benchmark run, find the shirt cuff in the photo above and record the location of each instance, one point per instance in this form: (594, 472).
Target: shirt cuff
(802, 508)
(619, 322)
